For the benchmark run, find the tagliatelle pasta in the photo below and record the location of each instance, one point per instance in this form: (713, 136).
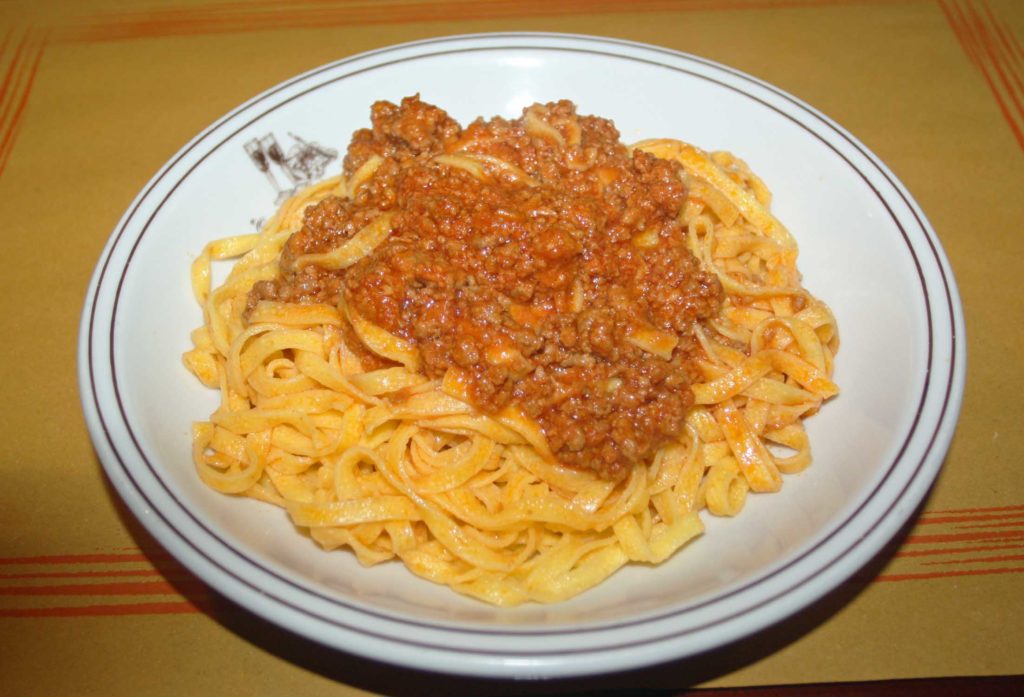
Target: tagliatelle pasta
(375, 435)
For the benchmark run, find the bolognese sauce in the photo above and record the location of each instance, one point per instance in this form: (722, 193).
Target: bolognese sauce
(534, 255)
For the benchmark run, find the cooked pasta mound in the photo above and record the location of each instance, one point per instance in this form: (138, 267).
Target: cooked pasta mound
(515, 355)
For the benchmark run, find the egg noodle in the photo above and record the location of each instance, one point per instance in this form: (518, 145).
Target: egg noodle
(393, 465)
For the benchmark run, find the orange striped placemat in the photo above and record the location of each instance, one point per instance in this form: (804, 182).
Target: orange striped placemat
(136, 581)
(126, 581)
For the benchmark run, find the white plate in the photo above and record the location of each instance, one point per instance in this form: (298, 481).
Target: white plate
(866, 249)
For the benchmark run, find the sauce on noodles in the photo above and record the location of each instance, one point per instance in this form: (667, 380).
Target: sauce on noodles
(550, 268)
(515, 356)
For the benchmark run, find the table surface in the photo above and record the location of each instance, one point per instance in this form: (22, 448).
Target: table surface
(96, 96)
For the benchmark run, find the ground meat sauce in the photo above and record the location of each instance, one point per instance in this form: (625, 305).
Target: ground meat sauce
(529, 284)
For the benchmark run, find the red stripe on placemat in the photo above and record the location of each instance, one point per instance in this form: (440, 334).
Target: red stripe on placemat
(984, 542)
(976, 560)
(953, 550)
(242, 17)
(16, 88)
(89, 584)
(6, 41)
(138, 588)
(995, 51)
(6, 90)
(1011, 48)
(75, 559)
(926, 519)
(115, 573)
(965, 537)
(948, 574)
(169, 608)
(991, 509)
(1010, 524)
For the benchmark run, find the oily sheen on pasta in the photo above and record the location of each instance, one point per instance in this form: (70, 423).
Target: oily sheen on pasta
(515, 355)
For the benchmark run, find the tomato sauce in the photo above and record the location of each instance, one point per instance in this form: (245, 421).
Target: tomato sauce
(529, 274)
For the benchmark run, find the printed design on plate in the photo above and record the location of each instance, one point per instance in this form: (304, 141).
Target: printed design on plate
(302, 164)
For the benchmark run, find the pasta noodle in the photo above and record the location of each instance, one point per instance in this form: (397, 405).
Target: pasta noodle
(380, 457)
